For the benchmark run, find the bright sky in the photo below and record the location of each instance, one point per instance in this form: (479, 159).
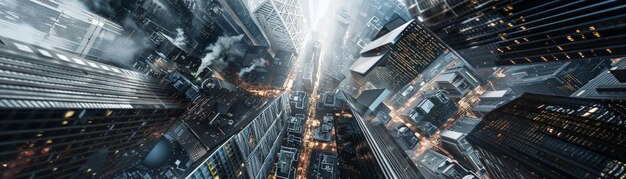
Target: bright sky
(316, 10)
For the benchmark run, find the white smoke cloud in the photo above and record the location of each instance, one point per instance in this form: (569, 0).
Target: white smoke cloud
(180, 39)
(216, 50)
(259, 62)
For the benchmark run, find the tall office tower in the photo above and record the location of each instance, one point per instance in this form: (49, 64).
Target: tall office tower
(244, 21)
(376, 152)
(561, 79)
(63, 116)
(311, 58)
(247, 149)
(336, 64)
(58, 25)
(308, 77)
(404, 53)
(488, 33)
(553, 137)
(343, 22)
(608, 84)
(283, 62)
(282, 22)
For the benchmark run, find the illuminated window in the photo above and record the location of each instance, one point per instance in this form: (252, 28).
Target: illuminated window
(69, 114)
(597, 34)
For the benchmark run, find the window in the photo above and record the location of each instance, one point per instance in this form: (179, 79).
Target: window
(45, 53)
(23, 47)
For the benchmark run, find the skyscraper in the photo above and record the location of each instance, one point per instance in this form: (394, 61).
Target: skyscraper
(608, 79)
(556, 78)
(403, 54)
(247, 149)
(233, 17)
(62, 26)
(376, 151)
(282, 23)
(554, 137)
(245, 20)
(67, 117)
(488, 33)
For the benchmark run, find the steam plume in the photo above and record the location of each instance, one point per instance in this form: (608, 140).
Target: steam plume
(259, 62)
(180, 40)
(216, 49)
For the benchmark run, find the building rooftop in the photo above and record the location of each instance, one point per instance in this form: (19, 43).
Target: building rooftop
(464, 125)
(433, 160)
(389, 38)
(426, 105)
(287, 163)
(298, 99)
(451, 134)
(372, 98)
(364, 65)
(324, 131)
(494, 94)
(446, 77)
(323, 164)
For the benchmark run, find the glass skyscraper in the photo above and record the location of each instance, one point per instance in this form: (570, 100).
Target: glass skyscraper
(250, 151)
(488, 32)
(402, 55)
(64, 116)
(554, 137)
(378, 151)
(282, 22)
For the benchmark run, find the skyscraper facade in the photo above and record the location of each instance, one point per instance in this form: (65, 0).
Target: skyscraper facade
(607, 79)
(64, 116)
(554, 137)
(378, 145)
(249, 151)
(403, 54)
(488, 33)
(282, 23)
(560, 79)
(243, 18)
